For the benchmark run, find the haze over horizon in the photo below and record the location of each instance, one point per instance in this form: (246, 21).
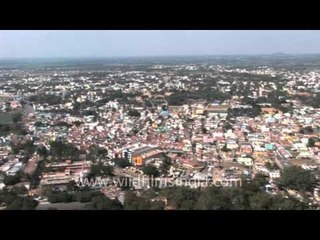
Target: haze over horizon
(151, 43)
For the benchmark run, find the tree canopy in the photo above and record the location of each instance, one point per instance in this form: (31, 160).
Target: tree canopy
(133, 113)
(61, 151)
(121, 162)
(150, 171)
(101, 170)
(297, 178)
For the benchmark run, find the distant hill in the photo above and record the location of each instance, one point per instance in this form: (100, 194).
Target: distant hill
(281, 54)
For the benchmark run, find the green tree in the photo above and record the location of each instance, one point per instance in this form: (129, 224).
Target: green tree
(52, 208)
(306, 130)
(166, 163)
(150, 171)
(280, 203)
(104, 203)
(204, 130)
(239, 198)
(257, 184)
(43, 152)
(22, 203)
(11, 180)
(93, 152)
(183, 197)
(260, 201)
(270, 166)
(77, 123)
(312, 141)
(56, 197)
(133, 202)
(38, 124)
(157, 205)
(101, 170)
(133, 113)
(121, 162)
(214, 198)
(61, 150)
(26, 146)
(87, 196)
(297, 178)
(225, 149)
(5, 129)
(17, 117)
(19, 190)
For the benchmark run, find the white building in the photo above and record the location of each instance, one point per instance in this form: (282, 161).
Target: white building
(274, 174)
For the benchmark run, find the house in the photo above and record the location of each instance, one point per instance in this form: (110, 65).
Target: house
(200, 176)
(274, 174)
(305, 154)
(164, 113)
(137, 160)
(190, 164)
(232, 144)
(269, 146)
(246, 149)
(245, 161)
(15, 169)
(141, 154)
(217, 110)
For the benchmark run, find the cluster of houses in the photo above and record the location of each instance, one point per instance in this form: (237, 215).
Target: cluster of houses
(199, 137)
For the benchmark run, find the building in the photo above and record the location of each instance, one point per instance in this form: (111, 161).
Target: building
(274, 174)
(138, 156)
(15, 169)
(245, 161)
(62, 173)
(217, 110)
(246, 149)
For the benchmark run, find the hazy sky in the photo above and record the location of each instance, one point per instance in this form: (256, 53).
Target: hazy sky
(153, 43)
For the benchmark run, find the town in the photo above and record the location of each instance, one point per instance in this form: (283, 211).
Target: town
(209, 131)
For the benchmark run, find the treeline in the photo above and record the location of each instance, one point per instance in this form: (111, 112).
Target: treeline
(95, 199)
(251, 196)
(253, 112)
(17, 199)
(86, 196)
(313, 101)
(16, 128)
(134, 202)
(60, 151)
(217, 198)
(181, 97)
(117, 95)
(50, 99)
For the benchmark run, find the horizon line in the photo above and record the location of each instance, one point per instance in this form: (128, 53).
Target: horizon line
(160, 56)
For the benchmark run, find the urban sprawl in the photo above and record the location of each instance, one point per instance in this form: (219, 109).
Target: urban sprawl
(213, 136)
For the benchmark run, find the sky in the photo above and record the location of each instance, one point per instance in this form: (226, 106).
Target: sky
(128, 43)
